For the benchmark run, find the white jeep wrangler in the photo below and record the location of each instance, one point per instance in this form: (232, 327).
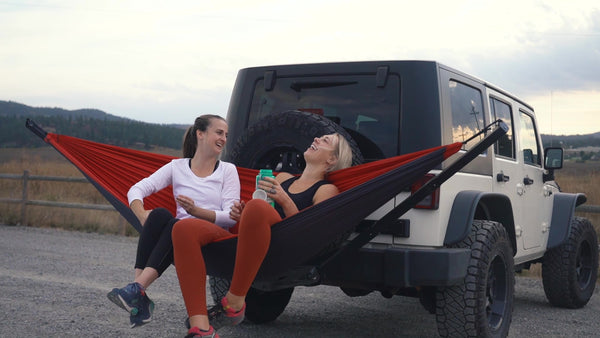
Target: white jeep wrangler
(459, 248)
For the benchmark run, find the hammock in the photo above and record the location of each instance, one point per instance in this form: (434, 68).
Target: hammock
(296, 239)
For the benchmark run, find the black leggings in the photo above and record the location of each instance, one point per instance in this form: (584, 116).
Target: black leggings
(155, 248)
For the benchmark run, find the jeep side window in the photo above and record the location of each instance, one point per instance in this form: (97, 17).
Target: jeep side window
(529, 144)
(505, 145)
(467, 112)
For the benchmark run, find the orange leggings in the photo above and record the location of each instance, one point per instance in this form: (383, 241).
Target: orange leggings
(189, 235)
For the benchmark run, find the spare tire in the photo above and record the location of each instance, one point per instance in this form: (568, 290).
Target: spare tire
(279, 140)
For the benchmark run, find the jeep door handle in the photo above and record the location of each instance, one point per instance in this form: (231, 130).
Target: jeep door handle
(527, 181)
(502, 178)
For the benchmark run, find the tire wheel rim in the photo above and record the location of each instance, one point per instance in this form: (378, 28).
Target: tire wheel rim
(282, 159)
(584, 265)
(496, 292)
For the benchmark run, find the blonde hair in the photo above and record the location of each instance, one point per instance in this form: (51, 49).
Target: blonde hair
(343, 153)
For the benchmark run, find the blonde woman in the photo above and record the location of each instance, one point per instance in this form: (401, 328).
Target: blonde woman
(291, 194)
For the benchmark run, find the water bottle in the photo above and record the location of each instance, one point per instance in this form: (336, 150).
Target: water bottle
(259, 193)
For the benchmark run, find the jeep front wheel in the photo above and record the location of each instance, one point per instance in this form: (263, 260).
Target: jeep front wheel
(569, 271)
(480, 306)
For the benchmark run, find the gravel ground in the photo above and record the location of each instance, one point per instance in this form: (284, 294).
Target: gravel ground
(53, 283)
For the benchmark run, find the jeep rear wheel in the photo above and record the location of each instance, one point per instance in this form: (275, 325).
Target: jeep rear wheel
(266, 306)
(481, 306)
(278, 141)
(569, 271)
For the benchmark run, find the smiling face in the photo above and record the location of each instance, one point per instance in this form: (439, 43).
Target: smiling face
(214, 138)
(323, 150)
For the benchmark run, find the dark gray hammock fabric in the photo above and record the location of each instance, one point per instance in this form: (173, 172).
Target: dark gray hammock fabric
(297, 239)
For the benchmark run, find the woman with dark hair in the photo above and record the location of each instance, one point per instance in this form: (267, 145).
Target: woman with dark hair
(291, 194)
(204, 188)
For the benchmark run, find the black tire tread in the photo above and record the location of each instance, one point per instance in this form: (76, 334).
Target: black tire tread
(460, 309)
(559, 276)
(295, 128)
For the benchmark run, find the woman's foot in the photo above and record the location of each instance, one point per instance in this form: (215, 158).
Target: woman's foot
(133, 299)
(195, 332)
(223, 315)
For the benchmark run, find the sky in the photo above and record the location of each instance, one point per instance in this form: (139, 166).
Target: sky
(170, 61)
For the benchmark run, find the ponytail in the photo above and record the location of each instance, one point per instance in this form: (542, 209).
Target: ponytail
(189, 143)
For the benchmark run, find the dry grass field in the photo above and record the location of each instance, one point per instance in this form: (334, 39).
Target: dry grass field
(47, 161)
(574, 177)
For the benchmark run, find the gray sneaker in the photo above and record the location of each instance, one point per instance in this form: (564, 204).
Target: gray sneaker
(133, 299)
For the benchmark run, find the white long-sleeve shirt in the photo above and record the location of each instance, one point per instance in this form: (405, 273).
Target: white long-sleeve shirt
(216, 192)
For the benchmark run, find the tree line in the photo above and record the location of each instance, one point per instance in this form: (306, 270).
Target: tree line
(123, 133)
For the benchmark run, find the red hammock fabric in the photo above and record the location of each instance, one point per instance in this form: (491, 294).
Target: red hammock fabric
(113, 170)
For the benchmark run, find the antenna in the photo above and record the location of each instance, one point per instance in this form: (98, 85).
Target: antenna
(551, 131)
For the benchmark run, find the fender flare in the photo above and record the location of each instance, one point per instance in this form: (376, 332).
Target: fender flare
(471, 203)
(563, 210)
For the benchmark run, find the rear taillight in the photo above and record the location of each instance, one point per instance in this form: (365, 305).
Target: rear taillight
(432, 201)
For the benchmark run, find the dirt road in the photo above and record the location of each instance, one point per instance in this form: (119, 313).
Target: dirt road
(53, 283)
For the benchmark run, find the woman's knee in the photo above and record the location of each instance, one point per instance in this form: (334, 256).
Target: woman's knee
(160, 214)
(197, 231)
(158, 218)
(180, 227)
(256, 206)
(258, 213)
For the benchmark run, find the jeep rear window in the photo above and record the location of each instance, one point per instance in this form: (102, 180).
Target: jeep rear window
(369, 113)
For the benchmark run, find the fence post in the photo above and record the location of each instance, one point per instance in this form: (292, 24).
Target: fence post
(24, 199)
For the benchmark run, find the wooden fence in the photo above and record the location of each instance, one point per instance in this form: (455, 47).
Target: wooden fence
(24, 201)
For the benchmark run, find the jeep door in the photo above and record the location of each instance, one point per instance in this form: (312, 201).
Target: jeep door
(535, 214)
(517, 171)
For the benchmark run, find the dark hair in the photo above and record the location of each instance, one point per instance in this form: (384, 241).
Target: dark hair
(189, 138)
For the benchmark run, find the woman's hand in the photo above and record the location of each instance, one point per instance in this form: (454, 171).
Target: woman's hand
(186, 203)
(236, 210)
(143, 216)
(277, 194)
(138, 210)
(273, 189)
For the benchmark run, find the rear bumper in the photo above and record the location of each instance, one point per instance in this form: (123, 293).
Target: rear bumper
(397, 267)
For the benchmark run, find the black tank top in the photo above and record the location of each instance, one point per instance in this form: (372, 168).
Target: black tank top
(302, 200)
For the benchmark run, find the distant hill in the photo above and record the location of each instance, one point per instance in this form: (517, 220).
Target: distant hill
(572, 141)
(89, 124)
(10, 108)
(96, 125)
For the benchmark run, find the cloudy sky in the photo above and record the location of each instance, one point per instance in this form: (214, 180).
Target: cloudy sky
(169, 61)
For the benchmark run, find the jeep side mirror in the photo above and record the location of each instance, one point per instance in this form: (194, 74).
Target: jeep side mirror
(553, 159)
